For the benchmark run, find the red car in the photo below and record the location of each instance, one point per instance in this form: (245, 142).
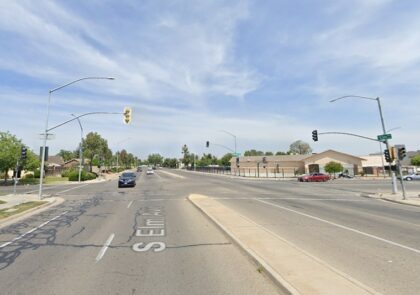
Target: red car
(314, 177)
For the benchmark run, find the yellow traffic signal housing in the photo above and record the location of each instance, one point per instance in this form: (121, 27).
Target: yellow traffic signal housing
(127, 115)
(394, 153)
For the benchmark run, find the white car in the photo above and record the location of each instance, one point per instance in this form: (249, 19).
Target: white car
(414, 176)
(150, 172)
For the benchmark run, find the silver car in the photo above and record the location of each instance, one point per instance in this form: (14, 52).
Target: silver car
(414, 176)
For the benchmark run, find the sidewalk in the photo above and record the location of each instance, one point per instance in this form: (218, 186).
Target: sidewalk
(20, 199)
(291, 268)
(412, 198)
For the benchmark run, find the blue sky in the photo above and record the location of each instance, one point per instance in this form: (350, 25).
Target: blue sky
(263, 70)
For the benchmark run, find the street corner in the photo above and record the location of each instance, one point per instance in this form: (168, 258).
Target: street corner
(20, 207)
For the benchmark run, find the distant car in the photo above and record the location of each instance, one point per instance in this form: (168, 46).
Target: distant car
(139, 169)
(150, 172)
(127, 179)
(414, 176)
(314, 177)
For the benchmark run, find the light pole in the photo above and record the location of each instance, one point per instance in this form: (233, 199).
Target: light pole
(80, 147)
(234, 137)
(394, 183)
(41, 172)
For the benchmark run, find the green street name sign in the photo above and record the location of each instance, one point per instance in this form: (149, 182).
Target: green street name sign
(384, 137)
(236, 154)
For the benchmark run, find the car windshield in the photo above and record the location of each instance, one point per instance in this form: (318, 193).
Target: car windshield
(127, 175)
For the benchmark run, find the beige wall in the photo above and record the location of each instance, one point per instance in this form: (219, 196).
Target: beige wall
(327, 157)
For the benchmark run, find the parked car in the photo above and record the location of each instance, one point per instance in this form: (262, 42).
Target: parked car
(414, 176)
(139, 169)
(314, 177)
(127, 179)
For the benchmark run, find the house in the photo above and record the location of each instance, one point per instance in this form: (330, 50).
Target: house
(73, 163)
(54, 166)
(292, 165)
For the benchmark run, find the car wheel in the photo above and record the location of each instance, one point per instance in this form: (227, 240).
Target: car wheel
(408, 179)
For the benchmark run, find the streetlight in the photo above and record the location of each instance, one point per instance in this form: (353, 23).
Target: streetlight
(394, 183)
(80, 147)
(234, 137)
(41, 176)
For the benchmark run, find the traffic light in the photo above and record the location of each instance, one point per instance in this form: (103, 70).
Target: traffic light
(207, 143)
(23, 152)
(127, 115)
(315, 135)
(237, 161)
(402, 153)
(264, 160)
(387, 156)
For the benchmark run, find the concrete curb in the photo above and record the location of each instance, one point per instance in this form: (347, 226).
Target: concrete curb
(283, 276)
(28, 213)
(277, 280)
(402, 202)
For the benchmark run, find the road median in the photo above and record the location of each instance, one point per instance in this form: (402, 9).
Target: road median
(291, 268)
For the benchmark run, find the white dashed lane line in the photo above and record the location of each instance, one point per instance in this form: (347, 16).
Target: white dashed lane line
(105, 247)
(129, 204)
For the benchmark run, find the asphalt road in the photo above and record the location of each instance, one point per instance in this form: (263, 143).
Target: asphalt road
(96, 243)
(373, 241)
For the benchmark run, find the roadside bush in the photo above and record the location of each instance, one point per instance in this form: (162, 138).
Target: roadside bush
(28, 176)
(37, 173)
(74, 176)
(67, 172)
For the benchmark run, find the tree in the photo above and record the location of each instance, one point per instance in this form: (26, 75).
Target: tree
(333, 167)
(186, 159)
(300, 147)
(10, 150)
(207, 159)
(155, 159)
(94, 145)
(280, 153)
(269, 153)
(66, 155)
(170, 163)
(415, 160)
(253, 153)
(225, 160)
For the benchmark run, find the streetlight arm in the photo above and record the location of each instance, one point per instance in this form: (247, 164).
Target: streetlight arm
(223, 146)
(75, 81)
(77, 118)
(351, 134)
(357, 96)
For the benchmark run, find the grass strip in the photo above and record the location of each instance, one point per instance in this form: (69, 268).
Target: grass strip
(20, 208)
(2, 202)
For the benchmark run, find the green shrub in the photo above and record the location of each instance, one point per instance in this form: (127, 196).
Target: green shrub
(37, 173)
(74, 176)
(67, 172)
(28, 176)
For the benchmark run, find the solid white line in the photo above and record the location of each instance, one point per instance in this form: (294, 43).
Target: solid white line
(129, 204)
(70, 189)
(32, 230)
(344, 227)
(105, 247)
